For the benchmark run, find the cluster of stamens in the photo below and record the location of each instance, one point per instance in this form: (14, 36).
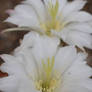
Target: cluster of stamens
(44, 86)
(48, 81)
(54, 23)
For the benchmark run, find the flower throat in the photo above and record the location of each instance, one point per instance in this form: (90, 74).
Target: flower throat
(49, 79)
(53, 23)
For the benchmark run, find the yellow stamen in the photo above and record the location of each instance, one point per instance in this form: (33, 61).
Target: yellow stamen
(53, 9)
(53, 23)
(48, 81)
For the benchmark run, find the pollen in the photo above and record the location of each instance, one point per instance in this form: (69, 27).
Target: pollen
(44, 86)
(49, 80)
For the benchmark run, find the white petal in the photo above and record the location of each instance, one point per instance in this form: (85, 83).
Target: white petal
(79, 17)
(47, 2)
(80, 64)
(62, 4)
(90, 23)
(77, 77)
(62, 34)
(16, 66)
(37, 46)
(75, 37)
(35, 41)
(38, 7)
(19, 79)
(45, 47)
(17, 84)
(24, 15)
(73, 6)
(65, 58)
(31, 67)
(28, 41)
(83, 27)
(26, 85)
(79, 38)
(9, 84)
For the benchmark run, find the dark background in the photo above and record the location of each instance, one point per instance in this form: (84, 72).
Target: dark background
(9, 41)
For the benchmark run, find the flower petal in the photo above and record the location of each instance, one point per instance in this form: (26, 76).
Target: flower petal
(79, 38)
(38, 7)
(77, 78)
(33, 40)
(83, 27)
(9, 84)
(64, 58)
(19, 79)
(28, 41)
(62, 4)
(13, 83)
(27, 85)
(52, 1)
(24, 15)
(36, 46)
(45, 47)
(73, 6)
(31, 66)
(16, 66)
(79, 17)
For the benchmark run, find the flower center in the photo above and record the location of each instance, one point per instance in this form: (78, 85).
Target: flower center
(54, 21)
(48, 80)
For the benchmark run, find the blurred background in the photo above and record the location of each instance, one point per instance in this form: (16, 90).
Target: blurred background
(9, 41)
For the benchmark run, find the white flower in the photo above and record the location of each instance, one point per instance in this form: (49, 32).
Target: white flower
(44, 68)
(55, 18)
